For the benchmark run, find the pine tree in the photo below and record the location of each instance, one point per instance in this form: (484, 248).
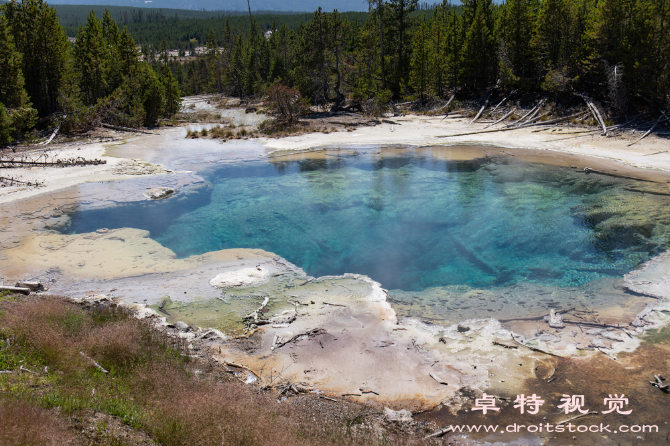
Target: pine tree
(515, 30)
(420, 61)
(551, 43)
(20, 116)
(398, 24)
(436, 54)
(171, 93)
(367, 78)
(337, 30)
(91, 60)
(153, 97)
(478, 58)
(111, 36)
(314, 82)
(128, 55)
(454, 36)
(12, 92)
(6, 127)
(41, 40)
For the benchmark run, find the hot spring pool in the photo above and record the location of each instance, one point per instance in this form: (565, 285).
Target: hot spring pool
(413, 219)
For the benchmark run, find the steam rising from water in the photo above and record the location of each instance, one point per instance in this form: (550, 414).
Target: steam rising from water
(414, 221)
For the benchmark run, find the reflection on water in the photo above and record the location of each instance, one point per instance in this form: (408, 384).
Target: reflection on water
(414, 220)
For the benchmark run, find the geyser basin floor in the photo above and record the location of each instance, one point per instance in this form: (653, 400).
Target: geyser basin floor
(363, 346)
(454, 233)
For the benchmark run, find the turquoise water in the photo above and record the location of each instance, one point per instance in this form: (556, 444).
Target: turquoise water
(412, 220)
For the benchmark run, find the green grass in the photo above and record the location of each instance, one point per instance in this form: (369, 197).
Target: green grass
(151, 387)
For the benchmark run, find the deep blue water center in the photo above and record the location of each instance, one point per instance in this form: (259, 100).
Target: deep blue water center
(409, 220)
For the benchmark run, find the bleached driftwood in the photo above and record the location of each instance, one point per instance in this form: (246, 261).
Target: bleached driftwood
(34, 286)
(537, 110)
(535, 349)
(254, 314)
(11, 181)
(647, 132)
(441, 381)
(309, 333)
(7, 163)
(23, 369)
(481, 110)
(93, 361)
(241, 366)
(501, 119)
(527, 115)
(503, 101)
(447, 106)
(596, 113)
(659, 382)
(439, 433)
(124, 129)
(53, 135)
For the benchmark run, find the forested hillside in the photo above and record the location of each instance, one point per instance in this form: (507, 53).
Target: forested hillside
(181, 27)
(617, 51)
(45, 80)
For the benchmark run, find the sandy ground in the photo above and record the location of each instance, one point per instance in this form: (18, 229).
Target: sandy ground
(651, 153)
(342, 336)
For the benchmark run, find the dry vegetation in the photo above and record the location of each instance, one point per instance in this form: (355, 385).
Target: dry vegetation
(51, 394)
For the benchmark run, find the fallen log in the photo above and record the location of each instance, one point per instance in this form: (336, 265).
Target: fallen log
(534, 318)
(441, 381)
(308, 333)
(9, 181)
(125, 129)
(588, 169)
(9, 163)
(447, 106)
(501, 119)
(34, 286)
(648, 132)
(530, 114)
(594, 324)
(612, 357)
(439, 433)
(596, 113)
(53, 135)
(535, 349)
(23, 369)
(481, 110)
(530, 122)
(92, 361)
(161, 306)
(334, 305)
(554, 121)
(241, 366)
(504, 99)
(505, 345)
(537, 110)
(254, 313)
(659, 382)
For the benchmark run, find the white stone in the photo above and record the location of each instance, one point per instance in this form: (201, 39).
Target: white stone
(240, 277)
(158, 192)
(402, 415)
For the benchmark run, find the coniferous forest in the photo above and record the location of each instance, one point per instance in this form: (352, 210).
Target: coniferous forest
(617, 51)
